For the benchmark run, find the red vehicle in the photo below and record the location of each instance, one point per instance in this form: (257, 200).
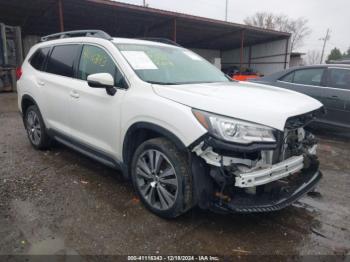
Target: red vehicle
(241, 75)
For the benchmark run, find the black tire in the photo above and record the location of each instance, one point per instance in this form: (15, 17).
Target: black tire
(44, 140)
(178, 161)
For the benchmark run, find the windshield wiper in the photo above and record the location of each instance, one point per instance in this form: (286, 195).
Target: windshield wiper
(162, 83)
(186, 83)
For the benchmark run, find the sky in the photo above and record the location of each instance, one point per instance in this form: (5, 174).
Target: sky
(322, 14)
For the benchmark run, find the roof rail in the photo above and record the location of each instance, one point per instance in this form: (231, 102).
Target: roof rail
(77, 33)
(161, 40)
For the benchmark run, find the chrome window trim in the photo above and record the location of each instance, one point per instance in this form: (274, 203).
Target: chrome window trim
(337, 67)
(324, 87)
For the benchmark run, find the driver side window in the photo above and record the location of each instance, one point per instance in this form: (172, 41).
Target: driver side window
(95, 60)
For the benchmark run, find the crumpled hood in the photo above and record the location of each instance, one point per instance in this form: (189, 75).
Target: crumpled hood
(262, 104)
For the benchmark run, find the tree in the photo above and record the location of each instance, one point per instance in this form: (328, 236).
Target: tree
(347, 52)
(334, 55)
(313, 57)
(297, 27)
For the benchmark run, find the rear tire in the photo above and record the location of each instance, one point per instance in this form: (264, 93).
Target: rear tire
(161, 177)
(36, 129)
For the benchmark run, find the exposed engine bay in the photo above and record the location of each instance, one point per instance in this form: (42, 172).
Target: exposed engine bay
(257, 179)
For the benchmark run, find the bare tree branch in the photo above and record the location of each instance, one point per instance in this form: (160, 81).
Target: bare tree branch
(297, 27)
(313, 57)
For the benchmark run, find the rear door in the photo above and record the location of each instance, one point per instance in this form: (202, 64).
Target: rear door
(38, 61)
(57, 85)
(337, 93)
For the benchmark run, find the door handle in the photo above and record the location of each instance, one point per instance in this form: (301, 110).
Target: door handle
(74, 94)
(332, 97)
(41, 83)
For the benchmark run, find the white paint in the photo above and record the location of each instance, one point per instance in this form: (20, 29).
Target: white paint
(262, 104)
(102, 78)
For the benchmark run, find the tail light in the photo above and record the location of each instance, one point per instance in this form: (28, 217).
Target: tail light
(18, 72)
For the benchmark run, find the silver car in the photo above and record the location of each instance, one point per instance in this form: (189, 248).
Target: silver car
(329, 84)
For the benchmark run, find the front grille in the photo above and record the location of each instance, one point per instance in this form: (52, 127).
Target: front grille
(296, 122)
(290, 134)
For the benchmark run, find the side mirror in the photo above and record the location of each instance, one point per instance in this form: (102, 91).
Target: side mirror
(102, 80)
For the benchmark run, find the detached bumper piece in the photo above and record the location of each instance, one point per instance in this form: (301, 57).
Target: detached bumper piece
(272, 197)
(267, 175)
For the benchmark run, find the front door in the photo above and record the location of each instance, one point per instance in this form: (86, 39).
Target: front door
(306, 81)
(95, 115)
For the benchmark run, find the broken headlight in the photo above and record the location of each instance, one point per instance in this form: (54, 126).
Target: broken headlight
(234, 130)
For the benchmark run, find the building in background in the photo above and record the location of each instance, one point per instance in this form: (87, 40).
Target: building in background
(222, 43)
(10, 56)
(296, 59)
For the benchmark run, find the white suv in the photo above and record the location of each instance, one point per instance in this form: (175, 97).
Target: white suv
(182, 131)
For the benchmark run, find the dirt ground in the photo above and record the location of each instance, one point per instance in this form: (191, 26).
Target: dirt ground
(60, 202)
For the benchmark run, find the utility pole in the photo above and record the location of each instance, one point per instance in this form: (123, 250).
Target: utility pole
(144, 3)
(226, 10)
(325, 39)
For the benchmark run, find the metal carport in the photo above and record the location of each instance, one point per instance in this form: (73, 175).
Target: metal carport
(41, 17)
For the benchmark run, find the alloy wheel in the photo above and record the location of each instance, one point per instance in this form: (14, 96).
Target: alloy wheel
(33, 127)
(156, 179)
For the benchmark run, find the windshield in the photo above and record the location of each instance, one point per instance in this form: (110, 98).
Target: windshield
(169, 65)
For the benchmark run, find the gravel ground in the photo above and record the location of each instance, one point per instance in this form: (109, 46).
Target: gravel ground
(60, 202)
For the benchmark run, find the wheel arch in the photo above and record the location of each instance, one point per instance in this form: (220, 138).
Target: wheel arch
(26, 102)
(142, 131)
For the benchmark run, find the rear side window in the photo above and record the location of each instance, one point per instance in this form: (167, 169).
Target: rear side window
(38, 59)
(61, 60)
(339, 78)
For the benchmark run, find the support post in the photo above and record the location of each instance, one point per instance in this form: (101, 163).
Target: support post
(241, 51)
(250, 56)
(286, 55)
(175, 30)
(60, 13)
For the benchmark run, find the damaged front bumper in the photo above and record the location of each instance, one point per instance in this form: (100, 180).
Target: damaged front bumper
(280, 195)
(253, 184)
(270, 174)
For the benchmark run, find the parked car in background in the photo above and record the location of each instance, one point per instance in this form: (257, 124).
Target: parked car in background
(240, 74)
(330, 84)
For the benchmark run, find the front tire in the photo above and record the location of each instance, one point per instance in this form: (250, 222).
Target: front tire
(161, 178)
(36, 129)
